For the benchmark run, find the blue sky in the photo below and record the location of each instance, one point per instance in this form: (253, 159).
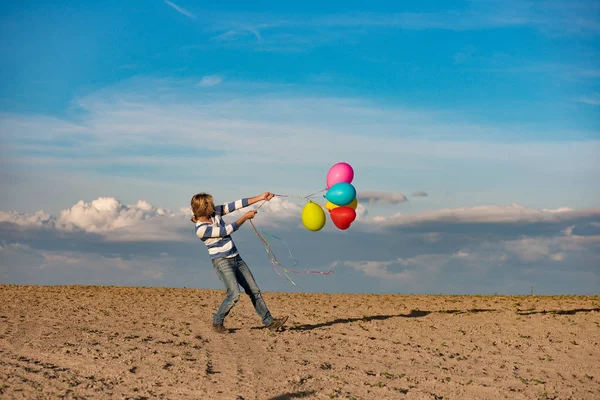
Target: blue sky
(113, 115)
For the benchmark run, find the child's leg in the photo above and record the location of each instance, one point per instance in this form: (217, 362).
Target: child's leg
(225, 269)
(246, 280)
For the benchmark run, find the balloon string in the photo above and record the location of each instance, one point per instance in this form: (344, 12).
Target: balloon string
(273, 259)
(312, 194)
(305, 198)
(302, 197)
(293, 197)
(294, 259)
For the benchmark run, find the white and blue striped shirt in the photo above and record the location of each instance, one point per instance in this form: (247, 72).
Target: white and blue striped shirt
(215, 235)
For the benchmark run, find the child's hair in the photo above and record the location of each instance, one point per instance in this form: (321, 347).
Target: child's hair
(202, 206)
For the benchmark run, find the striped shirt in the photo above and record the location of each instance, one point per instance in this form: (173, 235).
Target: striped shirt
(215, 235)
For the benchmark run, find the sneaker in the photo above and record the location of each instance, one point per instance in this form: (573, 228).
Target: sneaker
(220, 328)
(277, 323)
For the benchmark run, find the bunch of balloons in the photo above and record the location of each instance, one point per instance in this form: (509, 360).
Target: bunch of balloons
(341, 200)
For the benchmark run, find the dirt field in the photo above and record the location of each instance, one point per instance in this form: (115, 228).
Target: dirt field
(146, 343)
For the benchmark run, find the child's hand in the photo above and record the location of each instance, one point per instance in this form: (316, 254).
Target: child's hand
(250, 214)
(267, 196)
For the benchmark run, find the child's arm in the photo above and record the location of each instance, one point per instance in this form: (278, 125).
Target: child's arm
(205, 231)
(244, 202)
(265, 196)
(230, 207)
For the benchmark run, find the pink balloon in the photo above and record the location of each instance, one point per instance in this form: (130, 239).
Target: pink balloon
(340, 172)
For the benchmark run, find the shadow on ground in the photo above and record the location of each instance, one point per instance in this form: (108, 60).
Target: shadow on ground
(558, 312)
(412, 314)
(289, 396)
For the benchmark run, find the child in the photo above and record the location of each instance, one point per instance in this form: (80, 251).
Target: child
(227, 263)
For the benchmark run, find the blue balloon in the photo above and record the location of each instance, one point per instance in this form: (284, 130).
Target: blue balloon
(341, 194)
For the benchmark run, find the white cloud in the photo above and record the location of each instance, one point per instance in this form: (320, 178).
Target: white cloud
(153, 274)
(233, 35)
(361, 212)
(210, 80)
(525, 254)
(63, 259)
(461, 254)
(99, 265)
(180, 10)
(281, 137)
(282, 213)
(230, 35)
(108, 217)
(488, 214)
(14, 247)
(38, 218)
(593, 99)
(530, 249)
(142, 221)
(373, 197)
(413, 269)
(273, 133)
(107, 213)
(432, 237)
(115, 221)
(577, 243)
(447, 261)
(285, 32)
(534, 249)
(379, 269)
(273, 212)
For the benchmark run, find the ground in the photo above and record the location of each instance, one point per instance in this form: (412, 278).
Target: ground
(157, 343)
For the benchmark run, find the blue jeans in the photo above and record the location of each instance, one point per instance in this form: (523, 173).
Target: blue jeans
(233, 271)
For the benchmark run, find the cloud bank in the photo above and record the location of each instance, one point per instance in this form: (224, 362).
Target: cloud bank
(512, 214)
(373, 197)
(494, 249)
(105, 216)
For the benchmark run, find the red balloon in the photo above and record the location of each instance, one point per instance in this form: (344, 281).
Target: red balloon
(342, 217)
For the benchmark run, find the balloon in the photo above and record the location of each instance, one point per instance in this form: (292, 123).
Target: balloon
(313, 216)
(330, 206)
(353, 204)
(340, 172)
(341, 194)
(342, 217)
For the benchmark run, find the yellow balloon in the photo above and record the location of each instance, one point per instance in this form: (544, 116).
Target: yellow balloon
(354, 204)
(330, 206)
(313, 216)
